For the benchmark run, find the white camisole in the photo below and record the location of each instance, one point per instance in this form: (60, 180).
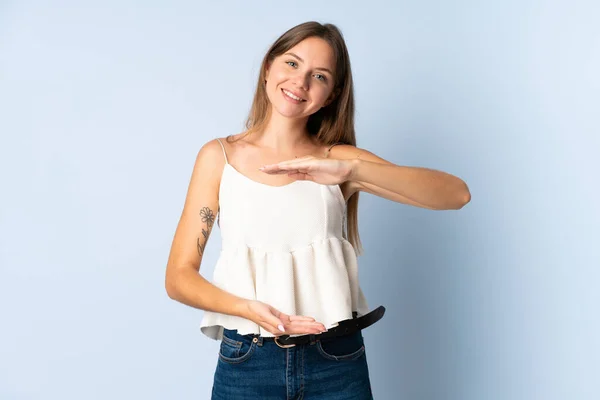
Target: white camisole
(283, 245)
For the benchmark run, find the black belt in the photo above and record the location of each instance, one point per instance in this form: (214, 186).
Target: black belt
(345, 327)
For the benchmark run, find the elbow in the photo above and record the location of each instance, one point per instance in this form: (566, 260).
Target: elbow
(171, 286)
(467, 197)
(464, 197)
(457, 199)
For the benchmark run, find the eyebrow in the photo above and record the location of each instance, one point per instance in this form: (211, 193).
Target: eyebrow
(301, 60)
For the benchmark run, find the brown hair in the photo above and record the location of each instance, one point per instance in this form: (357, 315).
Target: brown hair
(333, 124)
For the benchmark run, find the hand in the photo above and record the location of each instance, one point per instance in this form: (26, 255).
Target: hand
(270, 318)
(326, 171)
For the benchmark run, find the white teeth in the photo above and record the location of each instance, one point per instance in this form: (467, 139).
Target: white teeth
(291, 95)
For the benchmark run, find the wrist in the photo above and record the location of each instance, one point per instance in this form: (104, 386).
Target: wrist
(240, 307)
(355, 166)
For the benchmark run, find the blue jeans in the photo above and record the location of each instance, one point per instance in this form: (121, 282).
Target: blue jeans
(252, 367)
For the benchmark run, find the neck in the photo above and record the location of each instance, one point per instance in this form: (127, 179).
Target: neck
(283, 135)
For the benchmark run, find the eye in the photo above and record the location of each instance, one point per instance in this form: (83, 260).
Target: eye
(320, 77)
(291, 63)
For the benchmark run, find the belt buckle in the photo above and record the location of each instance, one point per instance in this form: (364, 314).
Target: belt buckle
(283, 346)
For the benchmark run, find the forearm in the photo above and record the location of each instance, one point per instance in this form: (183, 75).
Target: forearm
(190, 288)
(433, 188)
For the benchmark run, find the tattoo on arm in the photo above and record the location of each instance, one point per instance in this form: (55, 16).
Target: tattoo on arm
(208, 217)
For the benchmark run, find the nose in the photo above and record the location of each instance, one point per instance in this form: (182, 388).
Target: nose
(301, 80)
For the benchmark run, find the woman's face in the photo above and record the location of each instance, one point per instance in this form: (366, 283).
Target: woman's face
(301, 81)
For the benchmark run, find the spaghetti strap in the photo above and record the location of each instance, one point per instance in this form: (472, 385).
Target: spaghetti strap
(224, 154)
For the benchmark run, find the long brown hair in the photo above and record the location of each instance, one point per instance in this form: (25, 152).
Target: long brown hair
(333, 124)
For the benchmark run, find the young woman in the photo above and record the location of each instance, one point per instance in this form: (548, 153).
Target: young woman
(285, 300)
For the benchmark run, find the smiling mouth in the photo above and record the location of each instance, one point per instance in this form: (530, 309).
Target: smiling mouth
(291, 95)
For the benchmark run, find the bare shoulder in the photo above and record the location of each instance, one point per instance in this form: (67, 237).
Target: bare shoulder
(211, 149)
(206, 174)
(233, 144)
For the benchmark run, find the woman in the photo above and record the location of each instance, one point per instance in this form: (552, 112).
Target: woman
(285, 299)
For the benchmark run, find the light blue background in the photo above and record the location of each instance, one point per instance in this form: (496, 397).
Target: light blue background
(104, 105)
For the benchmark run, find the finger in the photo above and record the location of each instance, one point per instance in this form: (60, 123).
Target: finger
(304, 329)
(297, 323)
(301, 176)
(312, 326)
(271, 329)
(294, 164)
(274, 171)
(279, 314)
(275, 322)
(300, 318)
(306, 324)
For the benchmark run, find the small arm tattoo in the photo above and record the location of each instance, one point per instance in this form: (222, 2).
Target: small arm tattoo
(208, 217)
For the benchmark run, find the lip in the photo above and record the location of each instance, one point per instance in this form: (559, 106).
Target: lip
(295, 94)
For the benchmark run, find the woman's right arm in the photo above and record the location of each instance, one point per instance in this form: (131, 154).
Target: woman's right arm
(183, 281)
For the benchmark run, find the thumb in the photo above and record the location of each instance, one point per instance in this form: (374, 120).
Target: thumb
(277, 319)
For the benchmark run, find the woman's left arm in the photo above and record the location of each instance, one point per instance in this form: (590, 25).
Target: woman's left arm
(360, 170)
(421, 187)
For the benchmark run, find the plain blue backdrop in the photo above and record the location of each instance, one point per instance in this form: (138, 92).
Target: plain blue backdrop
(104, 105)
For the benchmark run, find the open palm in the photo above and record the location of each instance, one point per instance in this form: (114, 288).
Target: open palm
(320, 170)
(269, 318)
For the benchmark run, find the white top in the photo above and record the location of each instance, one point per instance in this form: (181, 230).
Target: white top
(283, 245)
